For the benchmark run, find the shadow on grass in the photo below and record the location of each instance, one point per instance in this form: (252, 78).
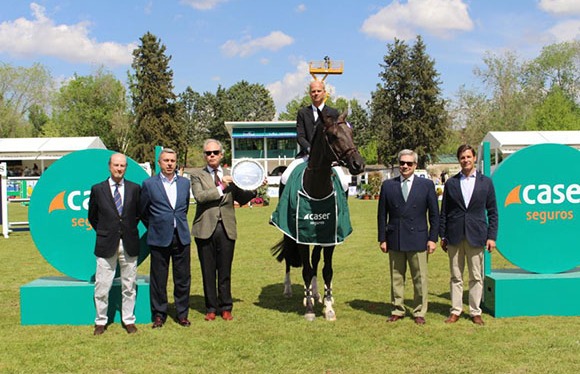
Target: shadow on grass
(371, 307)
(271, 298)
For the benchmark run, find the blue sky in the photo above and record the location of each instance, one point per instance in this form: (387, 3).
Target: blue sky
(270, 42)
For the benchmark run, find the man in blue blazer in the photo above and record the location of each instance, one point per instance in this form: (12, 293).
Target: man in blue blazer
(469, 222)
(405, 203)
(164, 207)
(114, 215)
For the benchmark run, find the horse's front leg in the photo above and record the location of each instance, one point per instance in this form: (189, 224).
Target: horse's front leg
(307, 276)
(327, 274)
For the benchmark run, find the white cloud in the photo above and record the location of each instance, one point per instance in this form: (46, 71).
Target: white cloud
(202, 4)
(301, 8)
(42, 37)
(565, 31)
(560, 7)
(293, 84)
(273, 42)
(438, 17)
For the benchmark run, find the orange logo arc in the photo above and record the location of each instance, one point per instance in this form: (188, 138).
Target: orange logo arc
(513, 197)
(57, 203)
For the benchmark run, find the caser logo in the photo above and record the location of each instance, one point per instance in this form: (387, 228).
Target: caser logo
(317, 218)
(544, 194)
(74, 201)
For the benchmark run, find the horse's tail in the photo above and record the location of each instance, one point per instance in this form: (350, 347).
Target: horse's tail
(287, 249)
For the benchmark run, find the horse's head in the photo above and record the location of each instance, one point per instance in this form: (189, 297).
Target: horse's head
(338, 134)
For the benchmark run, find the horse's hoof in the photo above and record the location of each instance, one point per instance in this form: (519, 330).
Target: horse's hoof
(330, 315)
(309, 316)
(288, 294)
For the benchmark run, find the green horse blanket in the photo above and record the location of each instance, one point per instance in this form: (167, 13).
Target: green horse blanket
(311, 221)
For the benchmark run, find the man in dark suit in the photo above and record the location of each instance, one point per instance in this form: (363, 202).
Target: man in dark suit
(469, 222)
(306, 121)
(164, 207)
(114, 215)
(404, 204)
(214, 229)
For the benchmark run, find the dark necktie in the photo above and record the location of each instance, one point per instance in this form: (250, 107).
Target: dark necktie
(216, 177)
(117, 198)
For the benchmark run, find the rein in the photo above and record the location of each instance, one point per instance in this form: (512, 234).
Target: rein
(339, 157)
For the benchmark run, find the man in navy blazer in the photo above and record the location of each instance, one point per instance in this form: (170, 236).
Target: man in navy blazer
(114, 215)
(405, 203)
(468, 223)
(164, 207)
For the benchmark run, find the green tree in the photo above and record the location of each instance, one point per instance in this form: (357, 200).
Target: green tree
(249, 102)
(93, 105)
(157, 114)
(407, 108)
(556, 112)
(22, 90)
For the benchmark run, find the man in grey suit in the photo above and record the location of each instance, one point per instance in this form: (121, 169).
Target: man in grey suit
(114, 215)
(214, 229)
(469, 222)
(405, 203)
(164, 207)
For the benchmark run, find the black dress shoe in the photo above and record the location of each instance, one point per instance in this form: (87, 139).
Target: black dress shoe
(157, 323)
(99, 329)
(184, 322)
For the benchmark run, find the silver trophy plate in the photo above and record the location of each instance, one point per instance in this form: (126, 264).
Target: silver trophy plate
(248, 174)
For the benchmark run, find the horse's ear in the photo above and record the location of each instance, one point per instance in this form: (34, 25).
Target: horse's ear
(342, 116)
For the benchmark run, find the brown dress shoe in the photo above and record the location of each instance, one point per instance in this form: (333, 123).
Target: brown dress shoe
(210, 316)
(131, 328)
(227, 315)
(452, 318)
(477, 320)
(184, 322)
(99, 329)
(157, 323)
(420, 320)
(394, 318)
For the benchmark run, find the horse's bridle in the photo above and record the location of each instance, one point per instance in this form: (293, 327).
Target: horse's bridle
(339, 157)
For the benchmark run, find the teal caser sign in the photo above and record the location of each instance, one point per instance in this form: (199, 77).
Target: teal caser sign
(59, 208)
(538, 198)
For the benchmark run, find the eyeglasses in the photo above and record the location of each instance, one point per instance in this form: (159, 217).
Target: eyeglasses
(408, 163)
(215, 153)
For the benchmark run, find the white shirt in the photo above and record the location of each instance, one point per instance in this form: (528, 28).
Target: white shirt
(467, 186)
(409, 183)
(315, 110)
(170, 188)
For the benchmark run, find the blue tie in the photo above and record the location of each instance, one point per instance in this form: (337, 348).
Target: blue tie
(117, 198)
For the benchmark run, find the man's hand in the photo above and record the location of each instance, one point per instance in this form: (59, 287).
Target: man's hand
(384, 248)
(431, 246)
(444, 244)
(490, 245)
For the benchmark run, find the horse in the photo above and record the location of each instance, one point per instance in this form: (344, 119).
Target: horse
(332, 143)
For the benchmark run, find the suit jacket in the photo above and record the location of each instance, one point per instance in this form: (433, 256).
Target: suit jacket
(403, 225)
(109, 226)
(158, 215)
(305, 126)
(211, 206)
(459, 222)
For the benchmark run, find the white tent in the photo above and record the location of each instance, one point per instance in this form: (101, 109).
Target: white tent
(25, 151)
(45, 148)
(505, 143)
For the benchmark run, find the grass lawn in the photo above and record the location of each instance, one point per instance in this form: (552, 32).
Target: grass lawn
(269, 333)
